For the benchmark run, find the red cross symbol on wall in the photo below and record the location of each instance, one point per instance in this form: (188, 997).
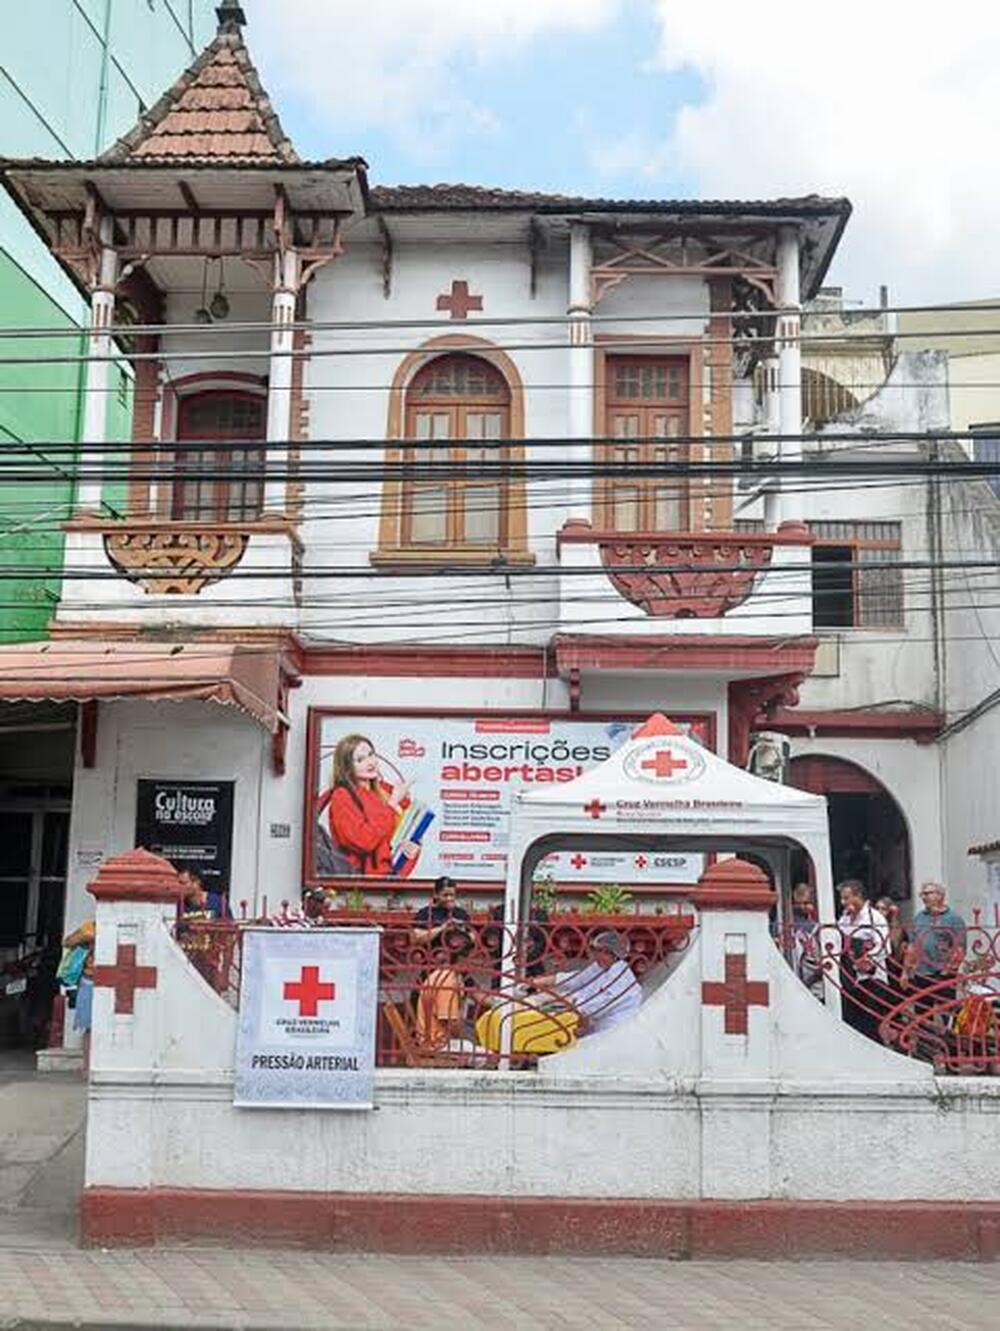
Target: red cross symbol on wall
(735, 994)
(459, 302)
(663, 763)
(595, 808)
(309, 991)
(578, 861)
(125, 977)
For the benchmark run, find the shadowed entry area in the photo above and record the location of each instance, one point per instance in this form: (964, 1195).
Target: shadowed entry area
(869, 838)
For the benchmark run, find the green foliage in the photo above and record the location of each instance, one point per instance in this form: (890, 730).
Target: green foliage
(609, 899)
(356, 900)
(544, 894)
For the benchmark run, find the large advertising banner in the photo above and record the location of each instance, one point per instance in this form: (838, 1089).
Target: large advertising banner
(402, 796)
(308, 1004)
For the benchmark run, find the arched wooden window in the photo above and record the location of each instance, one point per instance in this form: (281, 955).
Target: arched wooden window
(219, 484)
(460, 406)
(648, 406)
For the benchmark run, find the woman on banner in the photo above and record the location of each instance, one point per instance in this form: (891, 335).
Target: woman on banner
(364, 813)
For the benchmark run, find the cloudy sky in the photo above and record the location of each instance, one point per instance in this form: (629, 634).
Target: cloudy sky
(894, 103)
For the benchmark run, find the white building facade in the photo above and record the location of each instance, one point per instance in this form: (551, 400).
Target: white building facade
(426, 465)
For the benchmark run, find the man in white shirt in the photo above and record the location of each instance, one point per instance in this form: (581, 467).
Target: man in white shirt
(864, 953)
(604, 992)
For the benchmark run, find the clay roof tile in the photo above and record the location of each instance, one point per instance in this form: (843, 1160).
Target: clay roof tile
(217, 109)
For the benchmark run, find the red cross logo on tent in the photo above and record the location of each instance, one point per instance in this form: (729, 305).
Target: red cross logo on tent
(578, 861)
(664, 764)
(309, 991)
(595, 808)
(640, 861)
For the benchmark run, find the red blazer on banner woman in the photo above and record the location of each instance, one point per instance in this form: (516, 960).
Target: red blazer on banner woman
(363, 810)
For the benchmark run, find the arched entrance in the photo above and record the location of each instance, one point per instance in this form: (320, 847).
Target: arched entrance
(869, 838)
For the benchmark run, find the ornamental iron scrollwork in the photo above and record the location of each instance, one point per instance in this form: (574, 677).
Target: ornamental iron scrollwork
(175, 563)
(696, 577)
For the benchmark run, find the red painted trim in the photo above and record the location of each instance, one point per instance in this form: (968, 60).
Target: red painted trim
(220, 376)
(576, 1226)
(771, 656)
(705, 720)
(89, 712)
(579, 532)
(912, 724)
(822, 774)
(442, 662)
(137, 875)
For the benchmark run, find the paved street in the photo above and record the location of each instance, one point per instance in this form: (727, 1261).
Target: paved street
(45, 1280)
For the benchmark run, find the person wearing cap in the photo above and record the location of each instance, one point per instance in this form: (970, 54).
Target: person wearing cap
(605, 992)
(431, 921)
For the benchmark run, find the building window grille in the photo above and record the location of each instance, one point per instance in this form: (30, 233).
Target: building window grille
(986, 448)
(647, 415)
(458, 408)
(219, 463)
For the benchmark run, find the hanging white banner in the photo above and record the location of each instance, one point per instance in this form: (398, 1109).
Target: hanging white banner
(308, 1011)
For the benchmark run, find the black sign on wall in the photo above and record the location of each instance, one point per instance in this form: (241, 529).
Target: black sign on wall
(189, 823)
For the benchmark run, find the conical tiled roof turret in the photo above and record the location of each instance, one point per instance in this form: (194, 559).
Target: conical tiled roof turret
(217, 111)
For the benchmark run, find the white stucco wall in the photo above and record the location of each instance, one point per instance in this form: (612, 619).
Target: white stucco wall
(665, 1105)
(203, 741)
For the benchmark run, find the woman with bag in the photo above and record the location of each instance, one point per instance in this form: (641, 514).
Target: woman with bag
(76, 975)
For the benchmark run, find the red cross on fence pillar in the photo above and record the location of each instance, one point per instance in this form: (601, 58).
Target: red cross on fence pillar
(735, 994)
(663, 763)
(309, 991)
(459, 301)
(125, 977)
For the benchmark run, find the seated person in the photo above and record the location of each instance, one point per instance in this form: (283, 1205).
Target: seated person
(604, 992)
(441, 1015)
(430, 922)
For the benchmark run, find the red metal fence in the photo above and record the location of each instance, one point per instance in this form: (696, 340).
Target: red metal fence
(932, 996)
(463, 994)
(931, 993)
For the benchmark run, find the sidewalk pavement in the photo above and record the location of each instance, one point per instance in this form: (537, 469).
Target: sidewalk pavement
(263, 1289)
(47, 1281)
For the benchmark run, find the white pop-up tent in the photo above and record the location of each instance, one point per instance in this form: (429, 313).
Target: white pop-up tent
(663, 791)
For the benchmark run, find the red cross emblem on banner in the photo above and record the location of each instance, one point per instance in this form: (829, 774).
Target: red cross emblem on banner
(595, 808)
(664, 764)
(641, 861)
(578, 861)
(735, 994)
(309, 991)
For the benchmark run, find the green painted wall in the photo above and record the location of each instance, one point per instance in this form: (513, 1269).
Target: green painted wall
(74, 75)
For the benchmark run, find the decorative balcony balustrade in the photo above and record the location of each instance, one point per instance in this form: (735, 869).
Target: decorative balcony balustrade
(171, 558)
(684, 575)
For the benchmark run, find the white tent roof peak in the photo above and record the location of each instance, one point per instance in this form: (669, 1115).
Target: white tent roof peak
(661, 770)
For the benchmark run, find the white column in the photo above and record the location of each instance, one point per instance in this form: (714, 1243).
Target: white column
(581, 368)
(789, 351)
(279, 396)
(772, 427)
(95, 402)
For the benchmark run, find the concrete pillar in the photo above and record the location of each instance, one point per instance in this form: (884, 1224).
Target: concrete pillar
(771, 426)
(789, 349)
(279, 399)
(95, 401)
(581, 369)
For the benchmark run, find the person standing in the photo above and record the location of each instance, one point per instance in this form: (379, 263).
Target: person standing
(863, 959)
(936, 952)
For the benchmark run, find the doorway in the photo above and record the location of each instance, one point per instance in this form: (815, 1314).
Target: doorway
(33, 846)
(869, 839)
